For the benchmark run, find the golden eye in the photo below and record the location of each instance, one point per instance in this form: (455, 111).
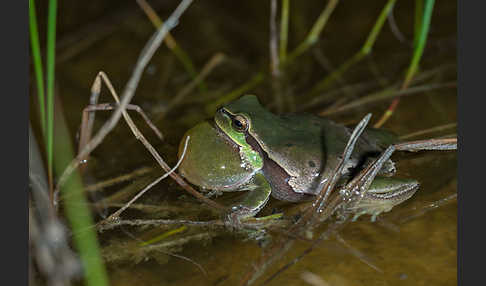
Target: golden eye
(239, 123)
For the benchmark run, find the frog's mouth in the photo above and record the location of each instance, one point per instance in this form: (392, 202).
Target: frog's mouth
(223, 135)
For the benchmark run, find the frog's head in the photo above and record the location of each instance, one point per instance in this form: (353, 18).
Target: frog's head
(235, 120)
(212, 161)
(218, 157)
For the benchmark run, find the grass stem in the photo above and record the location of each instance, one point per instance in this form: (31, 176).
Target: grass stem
(413, 67)
(36, 57)
(364, 51)
(50, 69)
(171, 43)
(284, 30)
(316, 30)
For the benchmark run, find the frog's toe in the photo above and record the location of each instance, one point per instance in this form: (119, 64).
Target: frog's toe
(213, 193)
(357, 215)
(232, 222)
(383, 195)
(373, 208)
(373, 217)
(232, 218)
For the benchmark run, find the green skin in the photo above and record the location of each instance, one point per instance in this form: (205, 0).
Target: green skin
(248, 148)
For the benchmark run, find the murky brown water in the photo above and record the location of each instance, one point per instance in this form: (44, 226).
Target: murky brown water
(406, 247)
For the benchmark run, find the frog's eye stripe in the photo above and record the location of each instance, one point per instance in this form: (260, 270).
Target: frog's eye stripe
(226, 112)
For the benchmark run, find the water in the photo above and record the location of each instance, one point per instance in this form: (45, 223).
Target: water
(414, 244)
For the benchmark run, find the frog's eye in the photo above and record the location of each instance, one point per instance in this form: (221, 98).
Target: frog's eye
(239, 123)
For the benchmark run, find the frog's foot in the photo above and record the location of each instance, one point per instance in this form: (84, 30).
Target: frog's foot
(232, 218)
(383, 194)
(358, 214)
(369, 194)
(252, 203)
(373, 211)
(213, 193)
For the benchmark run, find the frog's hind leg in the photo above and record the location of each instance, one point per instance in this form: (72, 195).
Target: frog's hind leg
(383, 194)
(367, 194)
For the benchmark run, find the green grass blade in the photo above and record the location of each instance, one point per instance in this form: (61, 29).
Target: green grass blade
(171, 43)
(50, 65)
(370, 41)
(419, 12)
(248, 85)
(75, 204)
(417, 55)
(365, 50)
(164, 235)
(76, 209)
(316, 30)
(184, 58)
(422, 39)
(39, 77)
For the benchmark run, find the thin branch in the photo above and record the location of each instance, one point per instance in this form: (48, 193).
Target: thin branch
(213, 62)
(116, 214)
(171, 43)
(315, 32)
(420, 40)
(274, 59)
(364, 51)
(157, 222)
(429, 130)
(394, 28)
(390, 92)
(284, 30)
(113, 181)
(129, 91)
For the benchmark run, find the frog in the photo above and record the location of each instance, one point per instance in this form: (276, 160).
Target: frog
(246, 148)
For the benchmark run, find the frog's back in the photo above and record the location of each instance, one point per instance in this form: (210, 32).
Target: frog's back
(310, 147)
(306, 146)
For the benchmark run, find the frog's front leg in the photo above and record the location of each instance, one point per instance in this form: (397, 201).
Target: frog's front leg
(382, 195)
(258, 194)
